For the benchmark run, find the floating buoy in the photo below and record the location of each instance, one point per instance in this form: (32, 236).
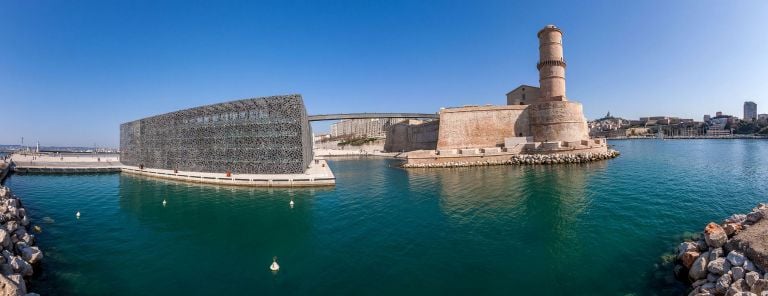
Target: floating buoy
(164, 202)
(274, 266)
(291, 203)
(77, 214)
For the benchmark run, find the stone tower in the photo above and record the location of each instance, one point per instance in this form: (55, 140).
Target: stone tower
(553, 118)
(551, 64)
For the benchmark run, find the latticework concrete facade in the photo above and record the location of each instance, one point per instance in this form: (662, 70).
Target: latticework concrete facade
(269, 135)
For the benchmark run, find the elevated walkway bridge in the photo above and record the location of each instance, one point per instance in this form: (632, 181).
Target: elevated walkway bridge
(340, 116)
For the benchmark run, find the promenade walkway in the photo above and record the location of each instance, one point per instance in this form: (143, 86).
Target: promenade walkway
(318, 174)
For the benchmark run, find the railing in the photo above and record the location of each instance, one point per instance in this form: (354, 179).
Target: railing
(560, 62)
(340, 116)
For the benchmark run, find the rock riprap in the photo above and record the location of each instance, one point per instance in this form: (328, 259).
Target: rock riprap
(18, 254)
(729, 258)
(523, 159)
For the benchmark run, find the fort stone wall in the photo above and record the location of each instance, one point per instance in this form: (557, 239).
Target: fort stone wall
(408, 137)
(481, 127)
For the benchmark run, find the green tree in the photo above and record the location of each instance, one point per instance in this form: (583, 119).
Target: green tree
(746, 128)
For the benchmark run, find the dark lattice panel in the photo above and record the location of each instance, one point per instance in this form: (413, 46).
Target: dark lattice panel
(269, 135)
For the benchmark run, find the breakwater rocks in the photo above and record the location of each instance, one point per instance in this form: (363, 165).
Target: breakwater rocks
(728, 258)
(19, 254)
(523, 159)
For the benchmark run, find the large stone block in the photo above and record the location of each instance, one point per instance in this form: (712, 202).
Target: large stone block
(447, 152)
(573, 144)
(515, 141)
(551, 145)
(752, 242)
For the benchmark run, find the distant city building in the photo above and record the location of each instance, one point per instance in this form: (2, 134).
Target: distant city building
(668, 126)
(750, 111)
(663, 120)
(763, 118)
(608, 127)
(719, 114)
(717, 125)
(359, 128)
(321, 137)
(523, 95)
(718, 132)
(707, 117)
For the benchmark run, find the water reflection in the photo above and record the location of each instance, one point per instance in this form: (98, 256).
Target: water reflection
(236, 228)
(532, 211)
(556, 193)
(190, 203)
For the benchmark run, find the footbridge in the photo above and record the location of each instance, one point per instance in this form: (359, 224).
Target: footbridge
(340, 116)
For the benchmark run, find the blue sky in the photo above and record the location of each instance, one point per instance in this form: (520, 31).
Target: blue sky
(72, 71)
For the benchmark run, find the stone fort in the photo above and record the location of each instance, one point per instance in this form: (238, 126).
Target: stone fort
(536, 120)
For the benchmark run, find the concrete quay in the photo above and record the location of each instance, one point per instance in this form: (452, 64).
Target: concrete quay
(731, 137)
(68, 164)
(318, 173)
(51, 159)
(66, 170)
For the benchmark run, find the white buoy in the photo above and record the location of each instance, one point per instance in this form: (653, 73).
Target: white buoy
(164, 202)
(291, 203)
(77, 214)
(274, 266)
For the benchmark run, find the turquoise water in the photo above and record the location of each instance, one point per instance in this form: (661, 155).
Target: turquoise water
(592, 229)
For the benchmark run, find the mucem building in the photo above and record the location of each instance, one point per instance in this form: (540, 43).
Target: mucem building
(269, 135)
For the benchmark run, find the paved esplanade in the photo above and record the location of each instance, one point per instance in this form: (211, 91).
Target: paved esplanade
(340, 116)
